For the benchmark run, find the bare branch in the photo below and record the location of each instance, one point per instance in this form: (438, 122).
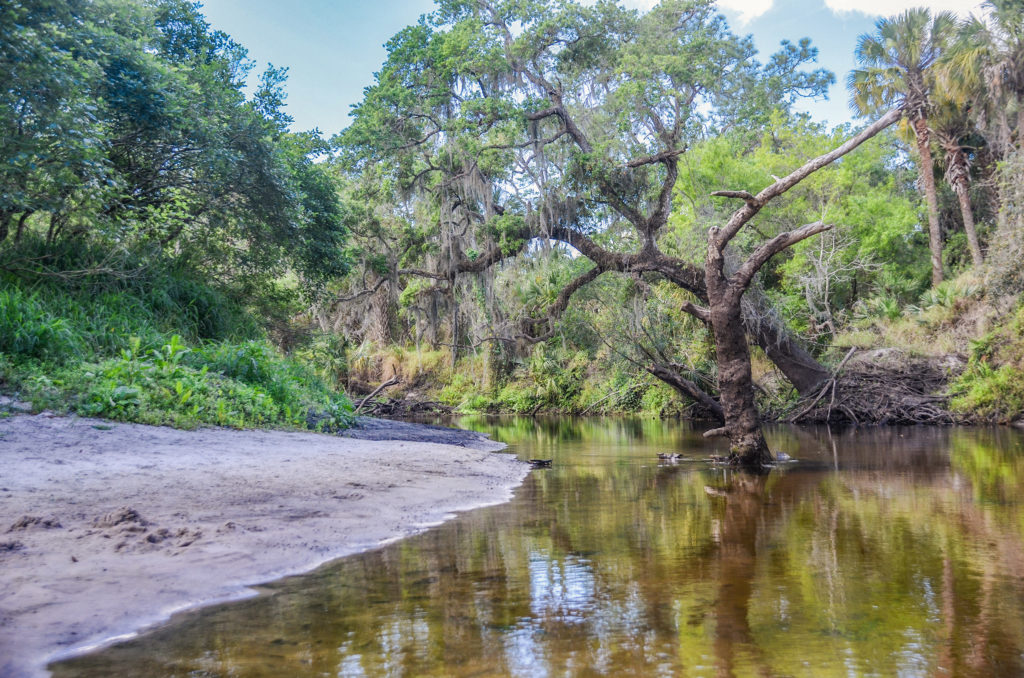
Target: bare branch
(742, 195)
(423, 273)
(390, 382)
(359, 294)
(540, 115)
(558, 307)
(741, 216)
(699, 312)
(659, 157)
(659, 217)
(673, 378)
(760, 256)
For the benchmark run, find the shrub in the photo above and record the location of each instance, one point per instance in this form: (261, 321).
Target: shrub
(29, 330)
(992, 386)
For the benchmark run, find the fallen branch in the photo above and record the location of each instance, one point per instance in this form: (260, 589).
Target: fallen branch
(390, 382)
(883, 390)
(831, 383)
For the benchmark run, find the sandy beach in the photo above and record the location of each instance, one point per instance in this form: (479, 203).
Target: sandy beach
(108, 528)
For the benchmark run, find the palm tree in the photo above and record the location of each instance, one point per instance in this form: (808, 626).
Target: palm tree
(985, 68)
(951, 123)
(897, 61)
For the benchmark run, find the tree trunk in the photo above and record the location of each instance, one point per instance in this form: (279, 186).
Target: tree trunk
(963, 196)
(735, 383)
(5, 224)
(1020, 122)
(958, 176)
(926, 173)
(782, 348)
(21, 224)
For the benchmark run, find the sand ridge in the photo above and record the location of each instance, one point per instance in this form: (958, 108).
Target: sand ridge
(106, 528)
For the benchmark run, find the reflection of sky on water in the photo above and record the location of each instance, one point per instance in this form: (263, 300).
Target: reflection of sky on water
(351, 663)
(561, 590)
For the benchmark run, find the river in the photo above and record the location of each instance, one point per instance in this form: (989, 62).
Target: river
(884, 551)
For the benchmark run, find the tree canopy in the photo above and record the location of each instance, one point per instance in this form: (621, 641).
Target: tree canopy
(128, 120)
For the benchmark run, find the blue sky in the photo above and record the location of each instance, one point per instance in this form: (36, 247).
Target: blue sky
(333, 47)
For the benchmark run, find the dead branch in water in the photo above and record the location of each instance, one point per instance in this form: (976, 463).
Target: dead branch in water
(390, 382)
(903, 390)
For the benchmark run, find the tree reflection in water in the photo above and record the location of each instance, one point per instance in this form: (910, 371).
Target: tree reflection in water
(886, 552)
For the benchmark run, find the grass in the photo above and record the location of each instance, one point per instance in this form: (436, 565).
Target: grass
(146, 342)
(992, 387)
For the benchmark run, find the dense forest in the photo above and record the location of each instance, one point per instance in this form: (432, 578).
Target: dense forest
(538, 206)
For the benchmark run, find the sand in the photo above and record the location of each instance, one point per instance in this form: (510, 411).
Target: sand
(106, 528)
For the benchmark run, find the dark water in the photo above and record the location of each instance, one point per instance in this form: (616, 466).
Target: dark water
(887, 552)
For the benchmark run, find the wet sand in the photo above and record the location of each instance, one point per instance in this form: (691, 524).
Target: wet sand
(108, 528)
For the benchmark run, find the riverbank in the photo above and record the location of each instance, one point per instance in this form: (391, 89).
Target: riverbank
(108, 528)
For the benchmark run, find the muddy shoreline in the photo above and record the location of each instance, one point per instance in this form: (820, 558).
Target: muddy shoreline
(108, 528)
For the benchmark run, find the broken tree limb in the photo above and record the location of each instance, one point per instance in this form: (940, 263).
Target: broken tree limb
(390, 382)
(742, 195)
(673, 378)
(754, 203)
(698, 312)
(831, 383)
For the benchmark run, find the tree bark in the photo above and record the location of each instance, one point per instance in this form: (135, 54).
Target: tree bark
(725, 296)
(958, 176)
(5, 224)
(964, 198)
(926, 173)
(735, 383)
(21, 224)
(782, 348)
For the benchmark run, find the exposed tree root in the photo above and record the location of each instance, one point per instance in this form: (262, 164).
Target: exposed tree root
(883, 387)
(390, 407)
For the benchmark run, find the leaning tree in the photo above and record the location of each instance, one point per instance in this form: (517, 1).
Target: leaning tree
(549, 121)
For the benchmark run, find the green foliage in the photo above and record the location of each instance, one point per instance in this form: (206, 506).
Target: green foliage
(154, 346)
(986, 393)
(28, 330)
(238, 385)
(1005, 275)
(875, 249)
(992, 386)
(127, 122)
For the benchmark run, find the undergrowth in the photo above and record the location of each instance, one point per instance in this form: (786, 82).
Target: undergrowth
(125, 338)
(992, 387)
(550, 380)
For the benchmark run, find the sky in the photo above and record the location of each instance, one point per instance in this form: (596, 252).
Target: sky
(332, 48)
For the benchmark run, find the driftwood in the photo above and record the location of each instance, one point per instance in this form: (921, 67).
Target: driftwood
(391, 407)
(390, 382)
(830, 384)
(891, 390)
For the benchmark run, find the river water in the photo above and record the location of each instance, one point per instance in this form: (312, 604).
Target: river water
(885, 552)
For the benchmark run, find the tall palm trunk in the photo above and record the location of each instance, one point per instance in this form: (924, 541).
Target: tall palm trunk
(958, 175)
(926, 173)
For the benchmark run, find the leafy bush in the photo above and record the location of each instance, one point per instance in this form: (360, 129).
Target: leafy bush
(29, 330)
(992, 386)
(150, 344)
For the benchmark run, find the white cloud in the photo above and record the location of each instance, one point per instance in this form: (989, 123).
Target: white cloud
(747, 9)
(891, 7)
(642, 5)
